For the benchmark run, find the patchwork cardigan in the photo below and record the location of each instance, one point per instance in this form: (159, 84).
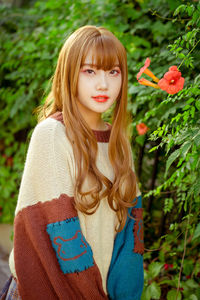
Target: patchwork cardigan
(59, 252)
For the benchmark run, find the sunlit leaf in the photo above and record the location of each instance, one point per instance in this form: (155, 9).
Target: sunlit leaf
(197, 104)
(171, 295)
(172, 158)
(197, 232)
(155, 268)
(185, 148)
(154, 290)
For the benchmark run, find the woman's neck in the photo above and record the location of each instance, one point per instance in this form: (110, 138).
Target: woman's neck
(99, 126)
(92, 118)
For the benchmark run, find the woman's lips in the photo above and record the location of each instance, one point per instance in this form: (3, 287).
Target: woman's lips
(100, 98)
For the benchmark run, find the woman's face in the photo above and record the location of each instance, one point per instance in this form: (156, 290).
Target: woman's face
(97, 89)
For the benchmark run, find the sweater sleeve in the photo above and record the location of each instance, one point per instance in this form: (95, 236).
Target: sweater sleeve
(126, 275)
(48, 167)
(52, 259)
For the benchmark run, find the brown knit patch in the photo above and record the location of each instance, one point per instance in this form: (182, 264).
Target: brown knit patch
(138, 230)
(37, 268)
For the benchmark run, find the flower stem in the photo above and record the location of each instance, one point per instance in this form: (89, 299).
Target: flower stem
(184, 251)
(164, 18)
(188, 54)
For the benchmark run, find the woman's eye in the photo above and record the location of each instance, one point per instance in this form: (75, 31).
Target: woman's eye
(89, 71)
(114, 72)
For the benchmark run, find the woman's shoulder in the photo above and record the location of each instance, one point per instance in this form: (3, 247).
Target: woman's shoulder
(58, 116)
(51, 131)
(49, 126)
(53, 121)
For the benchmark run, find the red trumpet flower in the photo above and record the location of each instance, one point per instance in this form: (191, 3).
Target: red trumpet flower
(141, 128)
(145, 70)
(172, 82)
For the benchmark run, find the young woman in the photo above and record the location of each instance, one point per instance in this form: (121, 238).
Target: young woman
(78, 231)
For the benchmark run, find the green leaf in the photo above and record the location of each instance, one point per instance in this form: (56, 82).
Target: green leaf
(193, 297)
(197, 232)
(192, 284)
(185, 148)
(197, 140)
(168, 282)
(181, 55)
(186, 107)
(190, 10)
(197, 104)
(189, 101)
(196, 188)
(192, 112)
(153, 149)
(155, 290)
(179, 9)
(30, 47)
(172, 158)
(154, 269)
(168, 205)
(140, 139)
(171, 295)
(197, 292)
(144, 295)
(195, 16)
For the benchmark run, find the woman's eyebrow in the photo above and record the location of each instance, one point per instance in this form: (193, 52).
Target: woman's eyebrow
(93, 65)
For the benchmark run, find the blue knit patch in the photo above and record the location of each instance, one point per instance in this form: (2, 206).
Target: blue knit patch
(73, 252)
(125, 278)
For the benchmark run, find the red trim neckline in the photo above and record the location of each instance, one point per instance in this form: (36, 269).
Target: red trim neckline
(102, 136)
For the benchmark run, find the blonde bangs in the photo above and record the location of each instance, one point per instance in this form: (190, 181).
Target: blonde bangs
(105, 52)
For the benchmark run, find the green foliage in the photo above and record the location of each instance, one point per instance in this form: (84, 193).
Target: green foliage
(197, 232)
(171, 295)
(177, 133)
(168, 32)
(152, 290)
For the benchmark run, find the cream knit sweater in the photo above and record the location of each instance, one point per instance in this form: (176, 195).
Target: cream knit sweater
(50, 171)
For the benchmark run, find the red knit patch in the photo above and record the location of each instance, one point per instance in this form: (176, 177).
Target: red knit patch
(58, 116)
(102, 136)
(138, 230)
(47, 279)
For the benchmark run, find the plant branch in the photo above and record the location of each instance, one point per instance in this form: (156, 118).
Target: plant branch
(164, 245)
(154, 13)
(185, 243)
(188, 54)
(173, 191)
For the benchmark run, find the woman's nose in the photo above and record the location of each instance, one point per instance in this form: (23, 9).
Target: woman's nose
(102, 82)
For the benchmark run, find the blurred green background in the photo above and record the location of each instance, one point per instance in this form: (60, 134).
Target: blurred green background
(167, 157)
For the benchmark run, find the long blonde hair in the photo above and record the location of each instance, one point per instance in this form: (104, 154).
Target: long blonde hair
(63, 97)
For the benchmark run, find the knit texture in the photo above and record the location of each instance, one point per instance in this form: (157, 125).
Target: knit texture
(60, 253)
(126, 278)
(73, 252)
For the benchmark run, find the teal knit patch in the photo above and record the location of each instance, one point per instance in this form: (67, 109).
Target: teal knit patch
(125, 278)
(73, 252)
